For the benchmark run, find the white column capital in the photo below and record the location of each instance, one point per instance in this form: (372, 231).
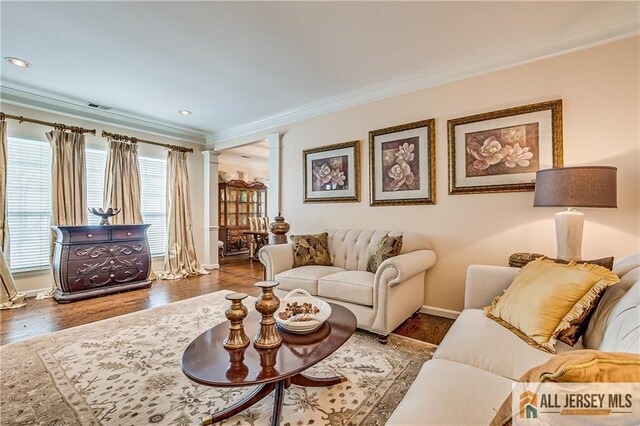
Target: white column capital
(211, 155)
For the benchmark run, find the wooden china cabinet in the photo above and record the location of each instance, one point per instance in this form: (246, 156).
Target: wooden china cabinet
(237, 202)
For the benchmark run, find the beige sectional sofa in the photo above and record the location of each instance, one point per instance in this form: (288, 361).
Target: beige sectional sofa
(380, 301)
(474, 367)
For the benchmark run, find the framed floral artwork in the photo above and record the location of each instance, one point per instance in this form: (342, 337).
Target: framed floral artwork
(402, 164)
(501, 151)
(332, 173)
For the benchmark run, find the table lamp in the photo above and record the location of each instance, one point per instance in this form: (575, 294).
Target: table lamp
(584, 186)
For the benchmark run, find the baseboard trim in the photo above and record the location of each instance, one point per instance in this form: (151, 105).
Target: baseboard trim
(439, 312)
(209, 267)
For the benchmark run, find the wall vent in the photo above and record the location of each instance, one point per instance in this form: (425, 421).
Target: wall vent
(96, 106)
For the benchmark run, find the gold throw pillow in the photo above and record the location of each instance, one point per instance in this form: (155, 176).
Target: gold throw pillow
(580, 366)
(545, 297)
(311, 250)
(387, 247)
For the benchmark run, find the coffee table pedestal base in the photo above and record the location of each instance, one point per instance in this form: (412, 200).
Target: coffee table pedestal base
(263, 390)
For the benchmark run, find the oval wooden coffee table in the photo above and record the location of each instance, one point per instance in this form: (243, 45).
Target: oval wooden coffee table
(206, 361)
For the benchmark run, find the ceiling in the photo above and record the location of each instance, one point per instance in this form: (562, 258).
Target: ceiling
(255, 155)
(242, 66)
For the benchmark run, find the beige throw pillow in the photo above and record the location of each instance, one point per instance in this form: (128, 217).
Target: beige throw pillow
(545, 297)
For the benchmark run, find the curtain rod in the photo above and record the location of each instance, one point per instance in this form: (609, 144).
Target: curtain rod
(117, 137)
(58, 126)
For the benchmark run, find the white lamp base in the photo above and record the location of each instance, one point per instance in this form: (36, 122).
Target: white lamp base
(569, 225)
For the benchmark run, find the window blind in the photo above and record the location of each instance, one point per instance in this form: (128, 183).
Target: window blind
(28, 203)
(96, 161)
(153, 177)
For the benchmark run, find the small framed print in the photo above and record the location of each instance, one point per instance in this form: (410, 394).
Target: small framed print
(402, 164)
(501, 151)
(332, 173)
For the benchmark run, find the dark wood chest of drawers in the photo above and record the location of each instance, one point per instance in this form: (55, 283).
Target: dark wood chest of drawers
(96, 260)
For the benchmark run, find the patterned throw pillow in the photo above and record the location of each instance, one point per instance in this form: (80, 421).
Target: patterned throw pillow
(311, 250)
(387, 247)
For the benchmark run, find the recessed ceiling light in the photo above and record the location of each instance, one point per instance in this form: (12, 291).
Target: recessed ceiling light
(17, 62)
(184, 112)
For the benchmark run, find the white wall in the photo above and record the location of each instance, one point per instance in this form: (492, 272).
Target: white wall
(234, 165)
(599, 88)
(32, 281)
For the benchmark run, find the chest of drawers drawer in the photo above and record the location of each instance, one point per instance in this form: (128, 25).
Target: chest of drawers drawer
(127, 234)
(89, 236)
(106, 250)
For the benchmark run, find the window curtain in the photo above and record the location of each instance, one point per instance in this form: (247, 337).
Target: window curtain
(180, 261)
(9, 296)
(68, 185)
(122, 183)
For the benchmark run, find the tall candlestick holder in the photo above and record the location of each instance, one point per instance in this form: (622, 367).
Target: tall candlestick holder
(236, 313)
(267, 304)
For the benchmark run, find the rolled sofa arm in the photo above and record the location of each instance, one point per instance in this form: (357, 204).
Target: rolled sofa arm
(400, 268)
(276, 258)
(485, 282)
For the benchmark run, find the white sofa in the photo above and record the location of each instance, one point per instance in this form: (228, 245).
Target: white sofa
(474, 367)
(380, 301)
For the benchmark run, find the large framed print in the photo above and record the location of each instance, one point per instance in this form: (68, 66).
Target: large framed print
(501, 151)
(402, 164)
(332, 173)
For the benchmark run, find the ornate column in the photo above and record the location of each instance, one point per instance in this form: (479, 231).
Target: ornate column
(211, 227)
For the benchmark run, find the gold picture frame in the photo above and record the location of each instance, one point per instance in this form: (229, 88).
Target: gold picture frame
(402, 169)
(500, 151)
(332, 173)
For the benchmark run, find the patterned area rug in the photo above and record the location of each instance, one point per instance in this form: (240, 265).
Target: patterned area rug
(126, 371)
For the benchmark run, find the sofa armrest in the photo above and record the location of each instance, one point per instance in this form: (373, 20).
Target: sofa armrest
(400, 268)
(276, 258)
(485, 282)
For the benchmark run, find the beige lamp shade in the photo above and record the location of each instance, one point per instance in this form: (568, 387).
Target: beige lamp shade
(584, 186)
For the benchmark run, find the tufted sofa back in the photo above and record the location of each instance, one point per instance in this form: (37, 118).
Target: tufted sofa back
(615, 324)
(350, 248)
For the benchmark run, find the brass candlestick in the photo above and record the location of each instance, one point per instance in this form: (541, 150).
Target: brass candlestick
(235, 313)
(268, 336)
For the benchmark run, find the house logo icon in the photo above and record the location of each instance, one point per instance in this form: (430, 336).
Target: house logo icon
(528, 405)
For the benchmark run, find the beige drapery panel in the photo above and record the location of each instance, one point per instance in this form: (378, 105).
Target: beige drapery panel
(122, 183)
(180, 261)
(68, 184)
(9, 296)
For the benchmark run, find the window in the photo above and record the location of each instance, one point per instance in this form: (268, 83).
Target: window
(96, 161)
(29, 199)
(152, 187)
(28, 203)
(153, 178)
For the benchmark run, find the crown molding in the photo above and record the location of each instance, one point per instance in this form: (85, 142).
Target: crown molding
(619, 27)
(14, 94)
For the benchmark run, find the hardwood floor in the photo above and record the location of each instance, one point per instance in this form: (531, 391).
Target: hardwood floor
(237, 274)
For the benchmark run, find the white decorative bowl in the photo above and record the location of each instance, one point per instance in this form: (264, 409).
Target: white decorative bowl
(300, 327)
